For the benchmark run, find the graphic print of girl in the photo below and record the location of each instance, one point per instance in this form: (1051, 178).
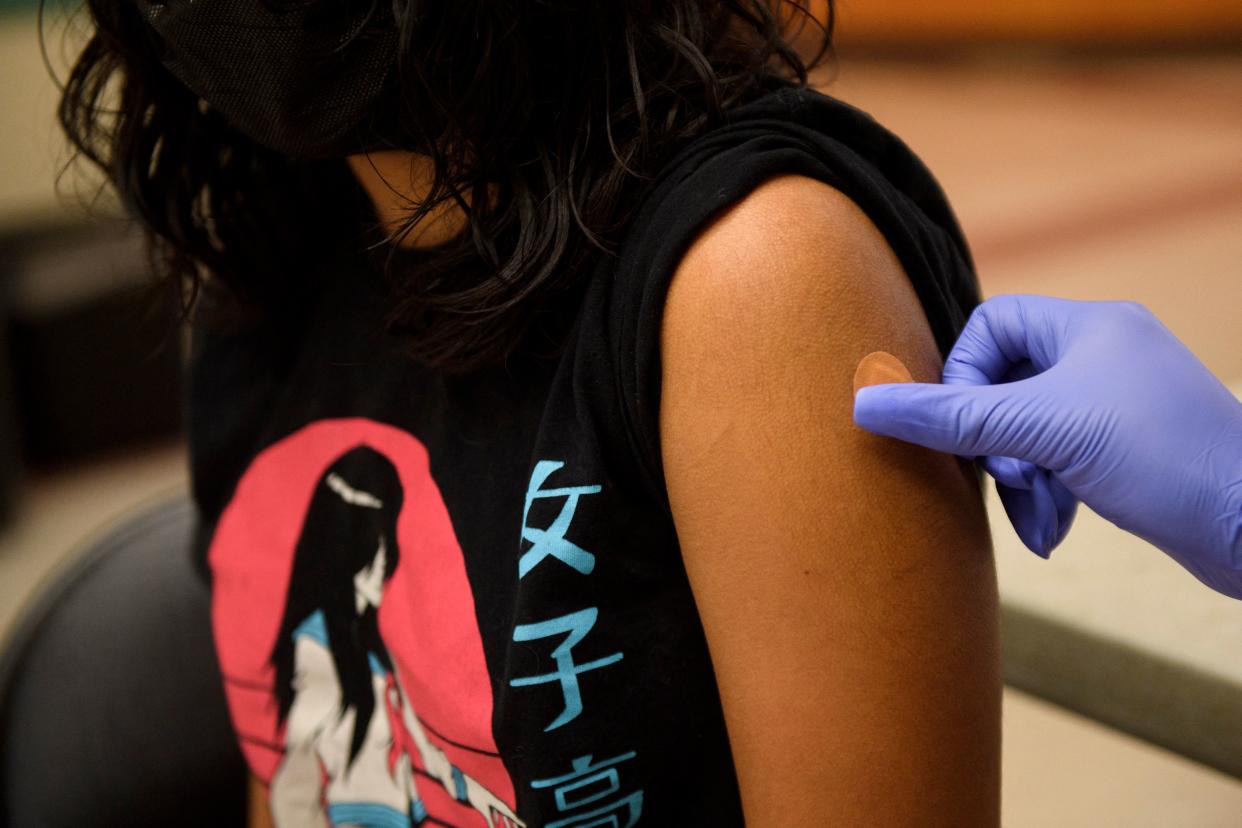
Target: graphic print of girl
(355, 750)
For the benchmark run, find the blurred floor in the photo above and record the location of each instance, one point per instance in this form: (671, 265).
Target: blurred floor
(1116, 179)
(1061, 770)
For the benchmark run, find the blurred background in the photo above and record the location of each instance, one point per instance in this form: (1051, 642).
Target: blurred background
(1092, 149)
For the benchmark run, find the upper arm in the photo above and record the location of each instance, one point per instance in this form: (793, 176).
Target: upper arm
(845, 582)
(258, 813)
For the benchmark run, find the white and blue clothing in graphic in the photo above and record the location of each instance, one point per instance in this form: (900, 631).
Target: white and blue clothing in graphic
(379, 788)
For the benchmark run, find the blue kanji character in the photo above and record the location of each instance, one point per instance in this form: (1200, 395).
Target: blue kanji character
(577, 625)
(552, 541)
(582, 776)
(571, 794)
(607, 816)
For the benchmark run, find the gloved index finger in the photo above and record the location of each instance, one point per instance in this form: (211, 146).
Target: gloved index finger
(985, 351)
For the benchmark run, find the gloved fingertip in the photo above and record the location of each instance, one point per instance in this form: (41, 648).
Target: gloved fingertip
(876, 369)
(1047, 542)
(1037, 539)
(1033, 513)
(872, 408)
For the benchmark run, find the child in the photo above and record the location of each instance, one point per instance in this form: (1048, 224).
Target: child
(519, 411)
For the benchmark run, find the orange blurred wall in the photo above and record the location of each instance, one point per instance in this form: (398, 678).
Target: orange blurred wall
(1118, 21)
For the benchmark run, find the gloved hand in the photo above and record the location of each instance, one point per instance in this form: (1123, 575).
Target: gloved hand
(1090, 401)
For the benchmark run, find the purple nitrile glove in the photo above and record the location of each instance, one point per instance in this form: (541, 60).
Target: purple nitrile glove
(1090, 401)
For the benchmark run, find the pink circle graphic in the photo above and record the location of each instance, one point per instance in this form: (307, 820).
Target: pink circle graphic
(426, 619)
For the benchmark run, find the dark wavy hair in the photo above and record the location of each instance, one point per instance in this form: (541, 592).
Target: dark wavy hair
(543, 120)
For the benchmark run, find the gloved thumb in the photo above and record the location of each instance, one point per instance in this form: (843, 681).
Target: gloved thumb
(967, 420)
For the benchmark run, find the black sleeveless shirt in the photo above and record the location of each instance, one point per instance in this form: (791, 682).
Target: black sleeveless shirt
(483, 569)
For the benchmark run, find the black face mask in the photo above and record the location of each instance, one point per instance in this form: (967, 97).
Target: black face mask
(308, 78)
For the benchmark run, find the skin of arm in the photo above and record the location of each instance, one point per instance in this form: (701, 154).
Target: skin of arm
(259, 815)
(845, 582)
(295, 795)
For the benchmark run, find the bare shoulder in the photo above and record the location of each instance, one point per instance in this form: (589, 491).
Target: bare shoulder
(845, 582)
(800, 258)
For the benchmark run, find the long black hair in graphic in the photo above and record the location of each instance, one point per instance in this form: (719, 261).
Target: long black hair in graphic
(344, 526)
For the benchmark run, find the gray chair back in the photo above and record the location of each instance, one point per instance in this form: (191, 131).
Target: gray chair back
(112, 711)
